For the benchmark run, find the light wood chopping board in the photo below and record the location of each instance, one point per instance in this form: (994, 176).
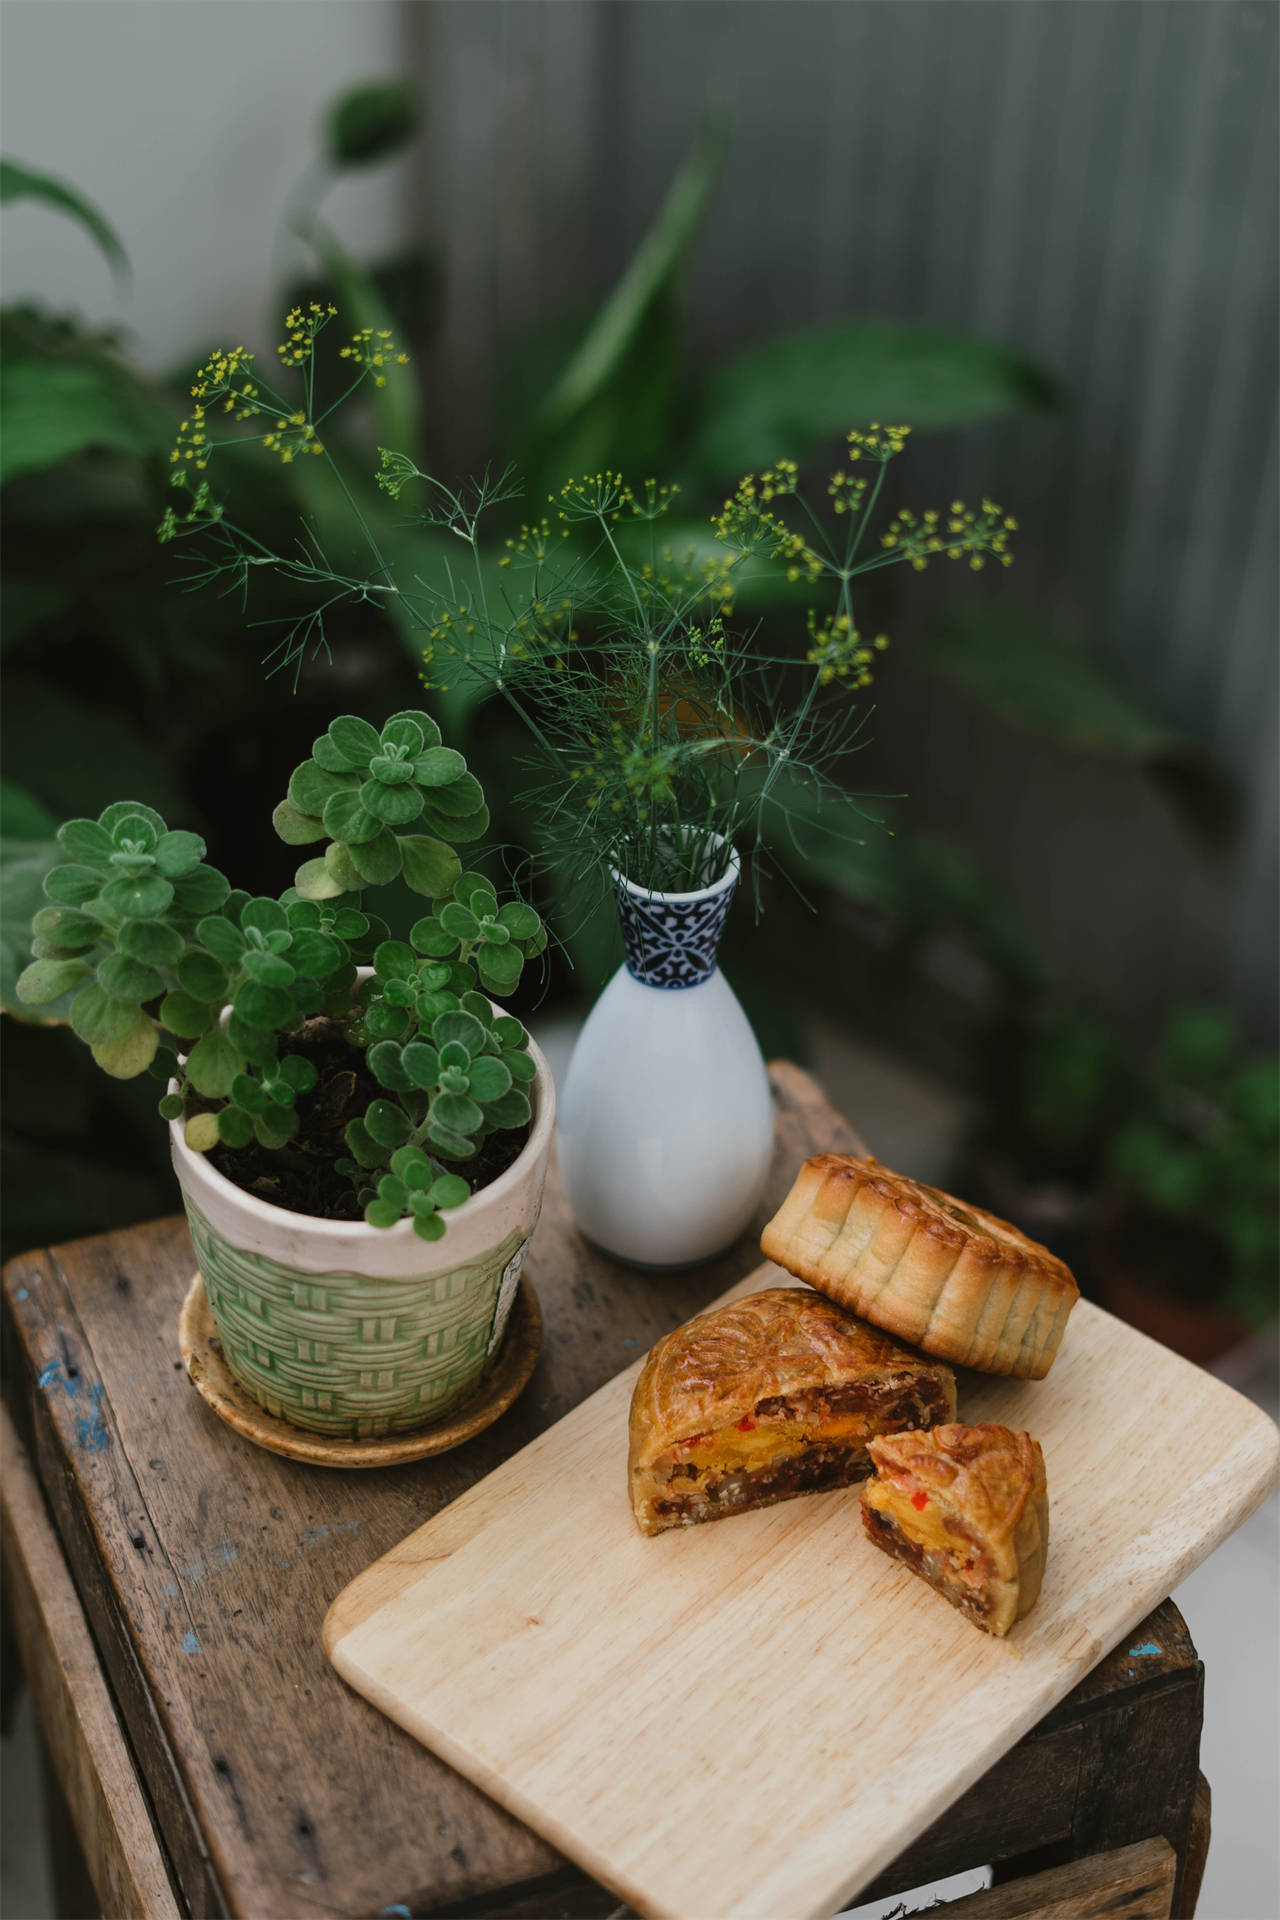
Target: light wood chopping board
(752, 1718)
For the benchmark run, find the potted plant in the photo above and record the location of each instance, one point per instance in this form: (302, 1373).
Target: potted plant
(667, 748)
(1186, 1243)
(360, 1135)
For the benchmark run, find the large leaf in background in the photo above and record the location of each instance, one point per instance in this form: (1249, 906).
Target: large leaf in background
(924, 886)
(789, 395)
(370, 123)
(59, 399)
(21, 183)
(75, 757)
(600, 355)
(1017, 668)
(27, 851)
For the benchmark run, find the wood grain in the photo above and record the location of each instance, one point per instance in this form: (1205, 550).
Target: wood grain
(205, 1565)
(1131, 1883)
(771, 1675)
(90, 1758)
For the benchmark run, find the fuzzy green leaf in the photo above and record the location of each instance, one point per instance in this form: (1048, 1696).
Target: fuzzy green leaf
(454, 1146)
(151, 941)
(477, 1004)
(203, 977)
(315, 882)
(177, 853)
(450, 1190)
(119, 811)
(86, 842)
(456, 827)
(268, 969)
(403, 733)
(382, 1213)
(170, 1106)
(365, 1151)
(72, 886)
(500, 967)
(300, 1072)
(421, 1064)
(512, 1110)
(489, 1079)
(494, 934)
(326, 755)
(315, 955)
(457, 1113)
(262, 914)
(45, 980)
(354, 739)
(271, 1130)
(428, 1226)
(431, 938)
(394, 1190)
(249, 1094)
(385, 1066)
(296, 828)
(143, 898)
(213, 1064)
(461, 1027)
(386, 1023)
(439, 767)
(386, 1123)
(201, 1132)
(257, 1046)
(377, 861)
(422, 721)
(459, 921)
(311, 788)
(66, 929)
(346, 818)
(430, 866)
(521, 1066)
(184, 1016)
(126, 1059)
(268, 1008)
(98, 1019)
(394, 806)
(235, 1129)
(413, 1167)
(342, 868)
(203, 890)
(224, 942)
(508, 1031)
(393, 959)
(129, 980)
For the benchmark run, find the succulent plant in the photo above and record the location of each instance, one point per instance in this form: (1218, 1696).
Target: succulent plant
(149, 952)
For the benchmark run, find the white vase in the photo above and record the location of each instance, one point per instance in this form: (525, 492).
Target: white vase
(666, 1121)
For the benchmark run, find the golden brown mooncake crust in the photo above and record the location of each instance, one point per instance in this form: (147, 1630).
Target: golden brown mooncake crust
(988, 1485)
(777, 1345)
(952, 1279)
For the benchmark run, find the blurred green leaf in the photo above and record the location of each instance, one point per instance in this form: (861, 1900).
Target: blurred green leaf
(789, 395)
(371, 123)
(56, 404)
(600, 355)
(21, 183)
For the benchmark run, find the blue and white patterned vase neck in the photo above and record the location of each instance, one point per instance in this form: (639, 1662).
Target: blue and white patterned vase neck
(672, 939)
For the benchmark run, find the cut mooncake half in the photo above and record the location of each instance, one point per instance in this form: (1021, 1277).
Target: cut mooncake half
(951, 1279)
(968, 1510)
(773, 1395)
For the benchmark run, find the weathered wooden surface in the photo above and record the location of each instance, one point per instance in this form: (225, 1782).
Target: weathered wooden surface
(609, 1689)
(1131, 1883)
(206, 1567)
(87, 1751)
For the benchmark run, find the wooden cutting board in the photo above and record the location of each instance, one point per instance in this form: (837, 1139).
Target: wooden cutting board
(754, 1717)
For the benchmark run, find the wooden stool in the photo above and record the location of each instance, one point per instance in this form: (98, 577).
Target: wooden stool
(204, 1566)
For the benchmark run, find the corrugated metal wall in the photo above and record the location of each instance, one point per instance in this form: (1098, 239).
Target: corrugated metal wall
(1093, 181)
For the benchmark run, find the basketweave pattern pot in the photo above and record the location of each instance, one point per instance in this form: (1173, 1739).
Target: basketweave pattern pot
(354, 1331)
(350, 1356)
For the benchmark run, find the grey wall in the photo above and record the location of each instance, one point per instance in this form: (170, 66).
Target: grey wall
(1091, 180)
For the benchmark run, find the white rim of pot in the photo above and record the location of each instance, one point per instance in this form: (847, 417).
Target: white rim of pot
(728, 878)
(544, 1120)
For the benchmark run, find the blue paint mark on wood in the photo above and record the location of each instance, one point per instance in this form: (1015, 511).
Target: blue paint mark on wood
(396, 1910)
(20, 1294)
(193, 1571)
(191, 1641)
(1148, 1646)
(227, 1553)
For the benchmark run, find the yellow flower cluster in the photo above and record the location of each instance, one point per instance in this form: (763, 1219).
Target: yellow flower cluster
(302, 324)
(532, 542)
(838, 651)
(846, 491)
(880, 443)
(292, 434)
(959, 533)
(374, 350)
(747, 525)
(596, 496)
